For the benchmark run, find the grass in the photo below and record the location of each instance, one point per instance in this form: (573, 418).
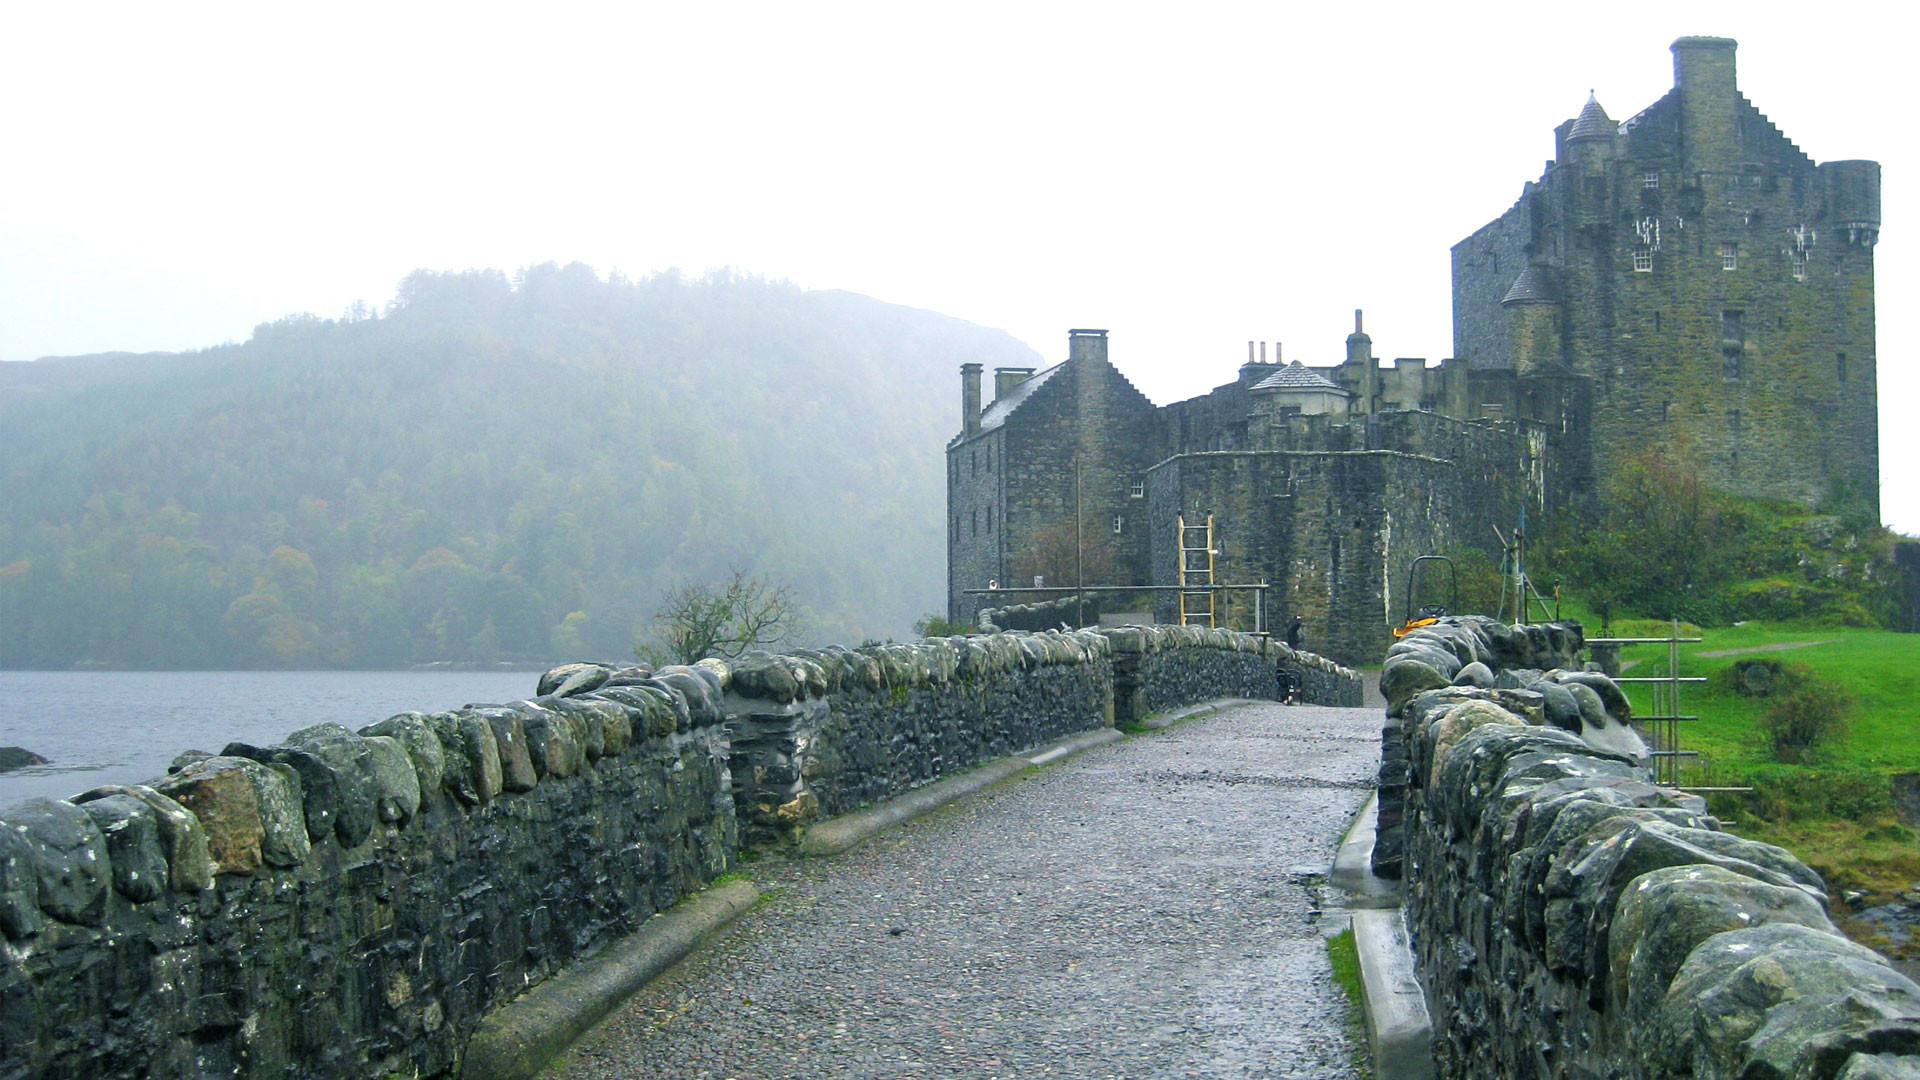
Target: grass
(1835, 810)
(1344, 958)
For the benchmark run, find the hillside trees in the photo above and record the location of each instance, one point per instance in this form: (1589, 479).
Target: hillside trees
(1659, 543)
(492, 470)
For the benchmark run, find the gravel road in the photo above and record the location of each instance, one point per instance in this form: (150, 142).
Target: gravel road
(1148, 909)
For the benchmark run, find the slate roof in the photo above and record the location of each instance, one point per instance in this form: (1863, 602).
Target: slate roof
(1592, 122)
(997, 413)
(1296, 376)
(1534, 285)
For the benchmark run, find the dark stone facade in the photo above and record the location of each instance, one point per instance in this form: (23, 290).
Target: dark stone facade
(268, 947)
(1569, 918)
(347, 905)
(1699, 279)
(1688, 276)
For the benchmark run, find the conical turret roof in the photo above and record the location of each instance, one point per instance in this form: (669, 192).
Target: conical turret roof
(1535, 285)
(1593, 121)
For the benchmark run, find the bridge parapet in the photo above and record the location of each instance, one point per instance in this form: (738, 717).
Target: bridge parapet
(1570, 918)
(353, 903)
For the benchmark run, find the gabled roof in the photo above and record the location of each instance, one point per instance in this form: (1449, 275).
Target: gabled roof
(1297, 376)
(1002, 407)
(1593, 121)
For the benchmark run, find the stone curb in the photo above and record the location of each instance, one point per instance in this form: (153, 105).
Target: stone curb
(1399, 1028)
(1398, 1025)
(1353, 866)
(836, 835)
(1166, 720)
(519, 1039)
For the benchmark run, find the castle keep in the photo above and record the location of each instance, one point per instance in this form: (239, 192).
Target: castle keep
(1687, 275)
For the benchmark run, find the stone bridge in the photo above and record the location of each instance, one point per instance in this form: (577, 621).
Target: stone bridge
(458, 893)
(1139, 888)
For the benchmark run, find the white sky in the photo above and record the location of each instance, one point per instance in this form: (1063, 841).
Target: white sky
(1188, 176)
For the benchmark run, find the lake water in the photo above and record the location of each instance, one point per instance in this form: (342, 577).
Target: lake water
(124, 727)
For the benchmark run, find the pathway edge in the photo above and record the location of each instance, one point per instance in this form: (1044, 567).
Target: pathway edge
(519, 1039)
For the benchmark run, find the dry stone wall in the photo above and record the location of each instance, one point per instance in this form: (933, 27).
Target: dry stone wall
(1571, 919)
(348, 904)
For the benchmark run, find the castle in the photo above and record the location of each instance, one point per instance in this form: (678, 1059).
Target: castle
(1687, 275)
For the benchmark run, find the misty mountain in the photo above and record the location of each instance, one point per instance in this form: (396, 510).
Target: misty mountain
(494, 469)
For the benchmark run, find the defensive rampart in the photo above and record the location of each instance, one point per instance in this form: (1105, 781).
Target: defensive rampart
(351, 904)
(1571, 919)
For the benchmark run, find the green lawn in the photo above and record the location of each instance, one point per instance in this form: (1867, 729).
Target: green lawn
(1881, 669)
(1834, 810)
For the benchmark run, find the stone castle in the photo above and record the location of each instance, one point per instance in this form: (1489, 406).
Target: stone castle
(1687, 275)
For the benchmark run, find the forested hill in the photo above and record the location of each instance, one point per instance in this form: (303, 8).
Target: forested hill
(495, 469)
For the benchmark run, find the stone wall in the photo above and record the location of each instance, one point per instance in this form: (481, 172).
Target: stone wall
(351, 904)
(1570, 919)
(816, 734)
(1156, 668)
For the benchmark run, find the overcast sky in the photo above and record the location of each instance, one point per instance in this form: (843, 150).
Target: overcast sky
(1189, 177)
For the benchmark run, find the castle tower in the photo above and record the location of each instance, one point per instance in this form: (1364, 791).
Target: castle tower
(1710, 285)
(1359, 373)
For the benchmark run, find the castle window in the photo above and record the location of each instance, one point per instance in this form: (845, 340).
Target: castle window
(1643, 260)
(1139, 490)
(1730, 362)
(1650, 181)
(1840, 366)
(1733, 341)
(989, 521)
(1656, 322)
(1666, 411)
(1733, 421)
(956, 527)
(1119, 524)
(1729, 257)
(1799, 264)
(973, 462)
(975, 528)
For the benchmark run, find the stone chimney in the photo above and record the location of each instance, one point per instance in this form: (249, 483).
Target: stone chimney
(1709, 102)
(1006, 378)
(1087, 345)
(1362, 377)
(970, 399)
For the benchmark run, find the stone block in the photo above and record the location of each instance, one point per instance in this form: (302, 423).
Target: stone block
(132, 835)
(412, 731)
(68, 858)
(472, 755)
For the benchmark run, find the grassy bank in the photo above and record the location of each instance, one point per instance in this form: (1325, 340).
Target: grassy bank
(1834, 809)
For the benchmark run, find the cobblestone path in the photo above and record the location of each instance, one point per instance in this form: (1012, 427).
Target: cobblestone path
(1149, 909)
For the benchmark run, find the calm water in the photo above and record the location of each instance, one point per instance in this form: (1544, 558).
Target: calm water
(122, 727)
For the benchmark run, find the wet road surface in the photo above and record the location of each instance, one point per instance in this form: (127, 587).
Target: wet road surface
(1147, 909)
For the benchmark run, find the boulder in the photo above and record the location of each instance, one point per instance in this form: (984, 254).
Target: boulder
(1784, 1000)
(15, 757)
(68, 857)
(472, 756)
(19, 885)
(133, 845)
(412, 731)
(396, 782)
(251, 812)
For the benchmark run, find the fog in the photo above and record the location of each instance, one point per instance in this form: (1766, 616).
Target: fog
(1187, 181)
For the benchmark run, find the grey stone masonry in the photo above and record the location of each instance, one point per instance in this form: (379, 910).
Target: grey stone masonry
(348, 904)
(1570, 918)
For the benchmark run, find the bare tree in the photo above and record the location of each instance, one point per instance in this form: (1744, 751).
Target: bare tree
(1049, 554)
(698, 621)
